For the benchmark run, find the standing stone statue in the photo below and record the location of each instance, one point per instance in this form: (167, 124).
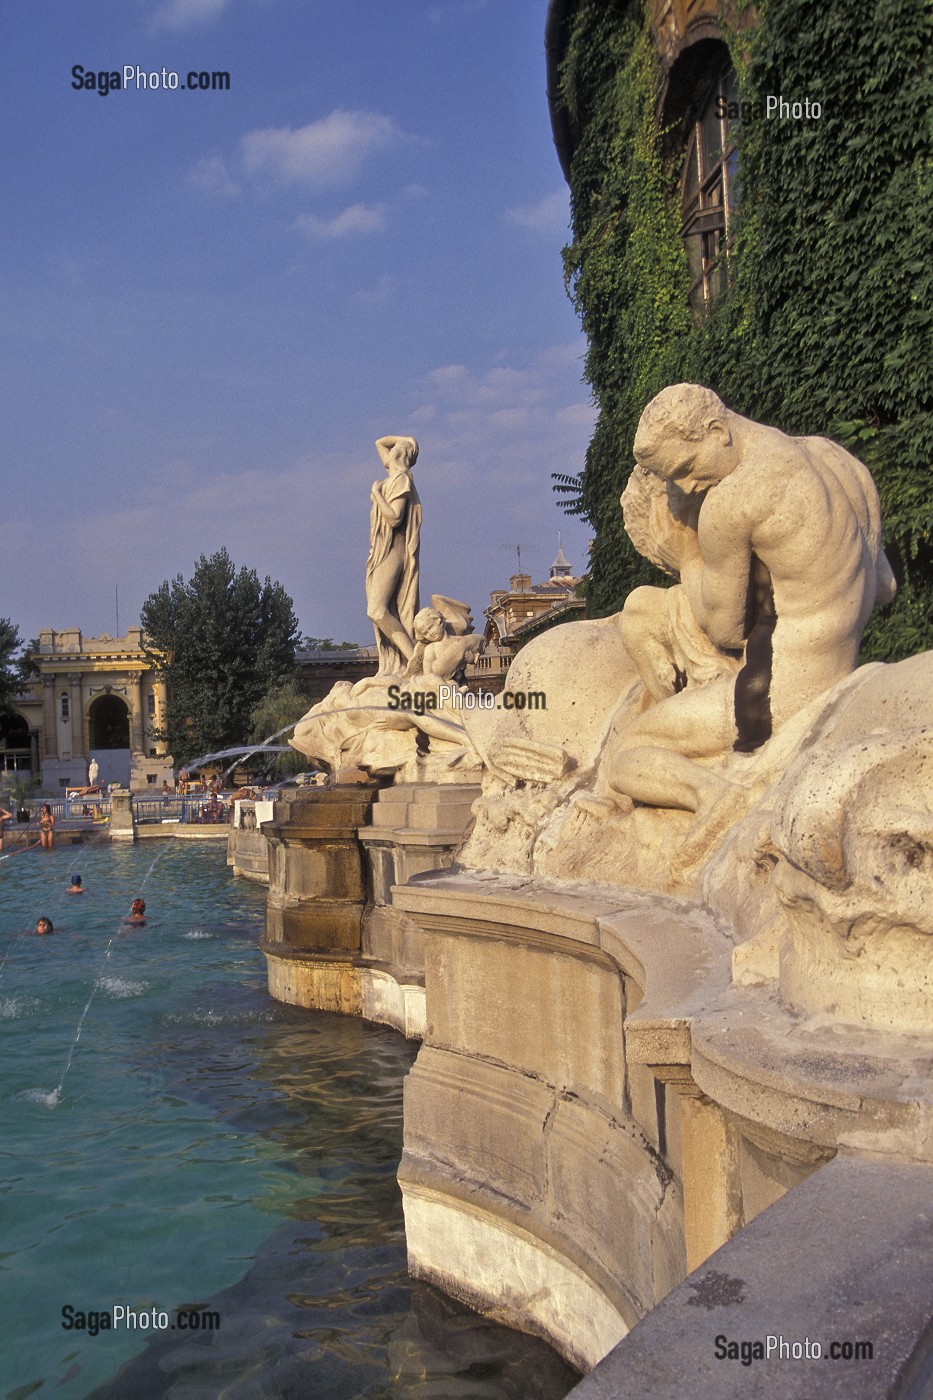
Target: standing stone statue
(92, 773)
(392, 566)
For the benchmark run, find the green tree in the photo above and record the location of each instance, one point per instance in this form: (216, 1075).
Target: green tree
(279, 707)
(14, 668)
(223, 640)
(326, 644)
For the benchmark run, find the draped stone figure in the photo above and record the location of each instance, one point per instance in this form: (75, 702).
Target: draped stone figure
(392, 566)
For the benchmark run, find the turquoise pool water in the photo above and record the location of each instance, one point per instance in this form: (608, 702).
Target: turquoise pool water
(201, 1148)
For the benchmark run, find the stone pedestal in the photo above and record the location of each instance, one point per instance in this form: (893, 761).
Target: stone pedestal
(121, 815)
(416, 829)
(317, 893)
(247, 847)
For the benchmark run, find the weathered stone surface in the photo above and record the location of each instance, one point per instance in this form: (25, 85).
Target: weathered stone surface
(721, 1102)
(317, 894)
(490, 1263)
(522, 1003)
(484, 1123)
(846, 1257)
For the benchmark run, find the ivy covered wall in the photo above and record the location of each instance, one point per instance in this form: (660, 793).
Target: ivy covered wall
(827, 324)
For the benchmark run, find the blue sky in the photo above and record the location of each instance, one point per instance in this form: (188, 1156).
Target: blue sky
(213, 303)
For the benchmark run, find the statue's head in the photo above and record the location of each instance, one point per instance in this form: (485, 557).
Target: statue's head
(397, 452)
(681, 437)
(429, 626)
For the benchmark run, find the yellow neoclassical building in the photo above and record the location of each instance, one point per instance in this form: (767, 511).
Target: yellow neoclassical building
(95, 699)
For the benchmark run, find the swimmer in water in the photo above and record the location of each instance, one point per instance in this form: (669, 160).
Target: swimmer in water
(76, 886)
(137, 911)
(44, 925)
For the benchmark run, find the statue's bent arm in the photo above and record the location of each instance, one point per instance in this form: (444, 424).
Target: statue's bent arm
(393, 512)
(717, 580)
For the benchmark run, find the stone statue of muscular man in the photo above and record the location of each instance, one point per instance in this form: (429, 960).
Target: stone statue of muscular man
(781, 565)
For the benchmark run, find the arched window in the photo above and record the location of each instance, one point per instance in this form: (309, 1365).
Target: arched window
(709, 193)
(65, 704)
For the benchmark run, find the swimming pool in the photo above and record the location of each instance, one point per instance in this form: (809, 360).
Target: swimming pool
(201, 1151)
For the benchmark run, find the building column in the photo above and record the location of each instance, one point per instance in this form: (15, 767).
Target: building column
(137, 715)
(712, 1194)
(77, 718)
(710, 1178)
(161, 695)
(49, 717)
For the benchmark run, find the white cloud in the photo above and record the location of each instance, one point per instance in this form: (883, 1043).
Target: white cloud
(490, 440)
(212, 176)
(324, 154)
(521, 422)
(383, 291)
(548, 215)
(179, 14)
(356, 218)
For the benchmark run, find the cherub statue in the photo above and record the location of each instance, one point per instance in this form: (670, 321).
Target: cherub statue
(443, 641)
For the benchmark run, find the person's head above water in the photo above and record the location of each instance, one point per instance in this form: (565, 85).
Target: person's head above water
(44, 925)
(138, 906)
(76, 886)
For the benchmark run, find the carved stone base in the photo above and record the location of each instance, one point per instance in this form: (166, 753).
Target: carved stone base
(317, 894)
(416, 829)
(333, 853)
(596, 1109)
(508, 1274)
(316, 982)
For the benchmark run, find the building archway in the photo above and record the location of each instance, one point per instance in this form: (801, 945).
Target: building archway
(109, 738)
(15, 745)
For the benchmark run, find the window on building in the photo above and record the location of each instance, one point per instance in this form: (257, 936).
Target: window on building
(150, 704)
(65, 704)
(709, 193)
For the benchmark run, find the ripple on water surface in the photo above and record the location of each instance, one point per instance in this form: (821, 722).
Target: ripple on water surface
(200, 1146)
